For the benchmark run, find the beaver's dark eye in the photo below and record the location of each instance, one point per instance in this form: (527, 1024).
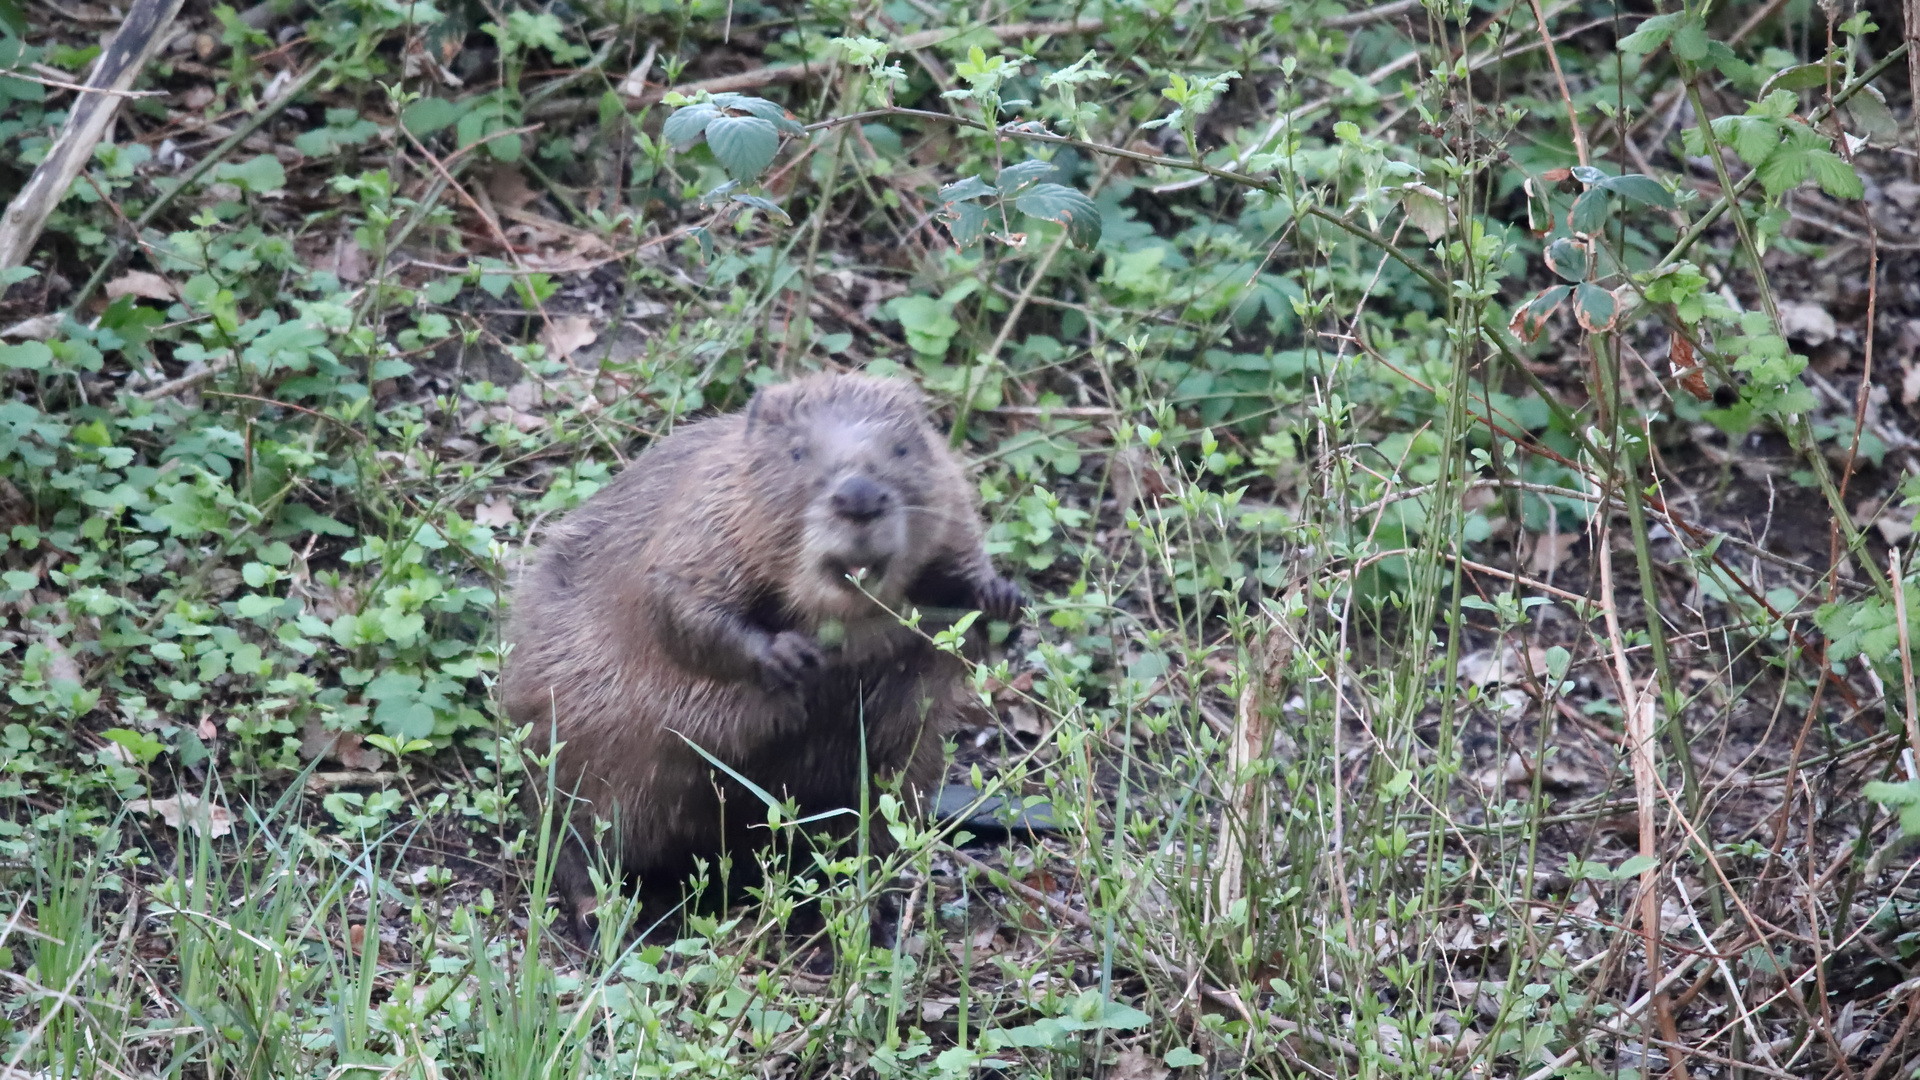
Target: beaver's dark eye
(900, 450)
(799, 453)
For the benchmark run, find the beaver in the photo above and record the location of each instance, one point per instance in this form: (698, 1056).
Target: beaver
(737, 584)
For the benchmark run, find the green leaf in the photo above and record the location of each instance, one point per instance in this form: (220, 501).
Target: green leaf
(971, 188)
(1651, 34)
(405, 718)
(1870, 116)
(1594, 308)
(1020, 174)
(1690, 40)
(1061, 204)
(1902, 794)
(1568, 258)
(685, 126)
(141, 745)
(259, 175)
(1834, 175)
(26, 356)
(743, 145)
(1531, 319)
(768, 205)
(1801, 77)
(965, 221)
(1722, 58)
(1182, 1058)
(428, 115)
(1634, 867)
(772, 112)
(1589, 213)
(1639, 188)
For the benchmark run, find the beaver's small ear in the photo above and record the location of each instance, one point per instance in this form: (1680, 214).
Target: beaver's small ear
(769, 407)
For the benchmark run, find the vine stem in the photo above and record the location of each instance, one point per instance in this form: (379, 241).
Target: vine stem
(1566, 98)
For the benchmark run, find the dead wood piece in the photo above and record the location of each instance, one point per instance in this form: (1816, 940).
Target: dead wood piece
(94, 108)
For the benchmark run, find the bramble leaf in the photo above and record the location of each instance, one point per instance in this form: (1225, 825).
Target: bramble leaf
(685, 126)
(1640, 188)
(1568, 258)
(743, 145)
(966, 221)
(759, 203)
(1594, 308)
(1531, 318)
(971, 188)
(1651, 34)
(1062, 204)
(1589, 213)
(772, 112)
(1018, 176)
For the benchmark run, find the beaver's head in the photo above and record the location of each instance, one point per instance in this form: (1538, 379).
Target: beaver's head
(853, 461)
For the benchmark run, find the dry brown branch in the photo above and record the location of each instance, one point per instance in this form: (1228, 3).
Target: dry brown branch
(113, 74)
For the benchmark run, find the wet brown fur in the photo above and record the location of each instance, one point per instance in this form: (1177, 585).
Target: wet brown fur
(702, 592)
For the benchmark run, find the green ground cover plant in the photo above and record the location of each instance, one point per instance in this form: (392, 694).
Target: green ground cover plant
(1461, 456)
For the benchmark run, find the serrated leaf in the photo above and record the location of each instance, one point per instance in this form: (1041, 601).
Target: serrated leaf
(1567, 257)
(685, 126)
(965, 221)
(743, 145)
(772, 112)
(768, 205)
(1531, 318)
(1061, 204)
(1870, 116)
(1427, 210)
(1587, 174)
(1637, 187)
(1689, 40)
(1722, 58)
(1017, 176)
(1594, 308)
(1798, 77)
(1589, 213)
(1753, 137)
(1834, 175)
(971, 188)
(1651, 34)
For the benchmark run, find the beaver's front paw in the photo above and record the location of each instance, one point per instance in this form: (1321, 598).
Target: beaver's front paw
(1000, 599)
(788, 659)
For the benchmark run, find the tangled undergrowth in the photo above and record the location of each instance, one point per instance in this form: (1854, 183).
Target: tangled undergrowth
(1462, 455)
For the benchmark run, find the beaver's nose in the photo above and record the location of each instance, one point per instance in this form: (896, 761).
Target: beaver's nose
(860, 499)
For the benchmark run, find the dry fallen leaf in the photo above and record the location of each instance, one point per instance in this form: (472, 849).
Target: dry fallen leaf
(143, 284)
(182, 811)
(1811, 323)
(1135, 1065)
(1549, 551)
(346, 747)
(568, 334)
(60, 666)
(508, 188)
(494, 514)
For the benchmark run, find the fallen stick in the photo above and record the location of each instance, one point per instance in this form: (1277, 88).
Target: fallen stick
(93, 109)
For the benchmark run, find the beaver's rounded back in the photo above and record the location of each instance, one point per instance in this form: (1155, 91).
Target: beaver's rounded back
(736, 585)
